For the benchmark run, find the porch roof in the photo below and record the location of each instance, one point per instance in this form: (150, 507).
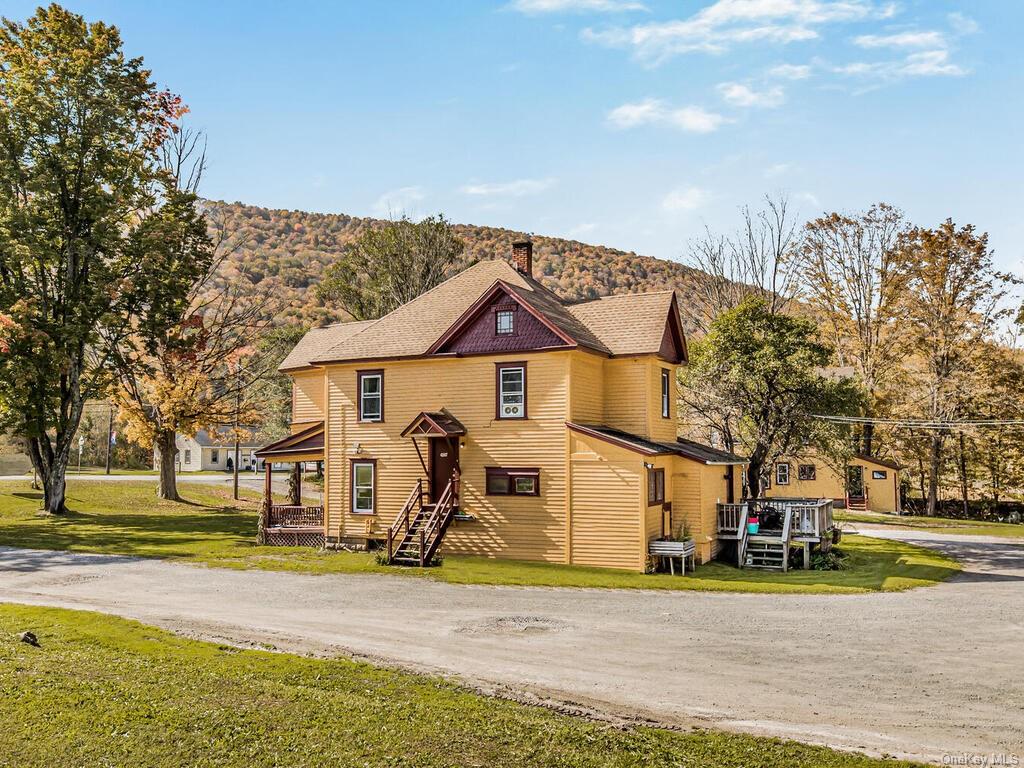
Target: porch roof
(434, 424)
(305, 445)
(688, 449)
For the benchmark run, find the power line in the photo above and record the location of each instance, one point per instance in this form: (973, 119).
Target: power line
(922, 423)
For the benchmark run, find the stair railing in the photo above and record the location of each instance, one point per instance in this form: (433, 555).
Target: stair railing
(402, 520)
(742, 536)
(787, 530)
(432, 531)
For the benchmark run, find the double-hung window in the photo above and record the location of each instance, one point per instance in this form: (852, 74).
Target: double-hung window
(371, 395)
(511, 391)
(782, 473)
(655, 486)
(364, 487)
(806, 472)
(214, 456)
(666, 396)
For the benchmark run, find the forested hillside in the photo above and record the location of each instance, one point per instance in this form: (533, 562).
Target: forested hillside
(285, 252)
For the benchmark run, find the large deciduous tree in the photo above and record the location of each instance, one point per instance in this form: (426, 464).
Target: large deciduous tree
(769, 368)
(390, 265)
(854, 280)
(955, 301)
(194, 363)
(761, 259)
(81, 126)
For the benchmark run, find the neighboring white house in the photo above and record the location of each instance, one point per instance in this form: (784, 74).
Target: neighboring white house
(214, 450)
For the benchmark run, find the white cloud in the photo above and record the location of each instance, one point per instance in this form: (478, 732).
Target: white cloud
(920, 64)
(925, 39)
(516, 188)
(961, 24)
(719, 26)
(398, 202)
(693, 119)
(740, 95)
(585, 228)
(790, 71)
(575, 6)
(774, 171)
(685, 198)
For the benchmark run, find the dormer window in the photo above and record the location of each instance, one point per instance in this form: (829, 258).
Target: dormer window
(504, 322)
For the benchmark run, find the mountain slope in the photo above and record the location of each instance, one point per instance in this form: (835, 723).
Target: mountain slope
(285, 253)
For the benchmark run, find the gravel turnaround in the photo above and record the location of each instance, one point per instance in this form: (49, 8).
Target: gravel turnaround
(921, 674)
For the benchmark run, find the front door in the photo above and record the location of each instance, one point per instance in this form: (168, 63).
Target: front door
(855, 481)
(444, 459)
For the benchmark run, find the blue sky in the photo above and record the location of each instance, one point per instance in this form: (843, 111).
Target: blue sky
(630, 123)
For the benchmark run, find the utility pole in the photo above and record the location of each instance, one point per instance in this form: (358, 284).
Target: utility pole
(238, 405)
(110, 436)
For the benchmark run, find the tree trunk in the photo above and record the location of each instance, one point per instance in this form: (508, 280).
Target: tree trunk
(934, 467)
(962, 462)
(50, 463)
(869, 438)
(295, 485)
(167, 487)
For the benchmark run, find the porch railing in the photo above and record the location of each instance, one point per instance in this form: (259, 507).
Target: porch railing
(730, 516)
(290, 516)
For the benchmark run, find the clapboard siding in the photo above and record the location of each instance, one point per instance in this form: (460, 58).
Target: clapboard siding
(626, 393)
(605, 524)
(587, 383)
(526, 527)
(660, 427)
(307, 398)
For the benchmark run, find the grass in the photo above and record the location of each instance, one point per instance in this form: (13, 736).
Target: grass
(211, 529)
(935, 524)
(106, 691)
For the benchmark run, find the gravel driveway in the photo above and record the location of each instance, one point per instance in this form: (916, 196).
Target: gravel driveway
(921, 674)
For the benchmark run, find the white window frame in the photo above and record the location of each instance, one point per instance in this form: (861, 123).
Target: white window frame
(666, 388)
(378, 396)
(782, 478)
(498, 315)
(188, 455)
(511, 393)
(356, 509)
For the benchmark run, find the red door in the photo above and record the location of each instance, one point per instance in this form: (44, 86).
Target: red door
(444, 460)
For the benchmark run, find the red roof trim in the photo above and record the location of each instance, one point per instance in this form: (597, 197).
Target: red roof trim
(615, 441)
(499, 286)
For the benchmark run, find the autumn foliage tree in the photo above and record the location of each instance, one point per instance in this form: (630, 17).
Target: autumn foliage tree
(81, 126)
(195, 365)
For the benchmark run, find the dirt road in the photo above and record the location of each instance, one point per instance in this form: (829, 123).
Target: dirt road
(922, 673)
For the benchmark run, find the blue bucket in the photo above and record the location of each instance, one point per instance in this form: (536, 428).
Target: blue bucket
(753, 528)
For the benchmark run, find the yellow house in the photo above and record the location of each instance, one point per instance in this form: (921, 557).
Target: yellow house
(490, 417)
(871, 482)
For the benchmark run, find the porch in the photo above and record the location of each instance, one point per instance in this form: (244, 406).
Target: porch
(292, 524)
(782, 524)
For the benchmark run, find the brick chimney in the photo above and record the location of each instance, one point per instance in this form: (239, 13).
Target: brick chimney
(522, 257)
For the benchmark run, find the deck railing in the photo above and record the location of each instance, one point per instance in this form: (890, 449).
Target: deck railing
(731, 516)
(290, 516)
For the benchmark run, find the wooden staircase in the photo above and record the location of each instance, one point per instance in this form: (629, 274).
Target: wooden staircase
(769, 555)
(857, 503)
(419, 529)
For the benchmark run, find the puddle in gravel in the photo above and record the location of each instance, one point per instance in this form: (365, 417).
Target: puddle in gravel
(513, 625)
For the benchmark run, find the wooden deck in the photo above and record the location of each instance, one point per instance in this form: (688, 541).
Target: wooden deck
(806, 523)
(287, 525)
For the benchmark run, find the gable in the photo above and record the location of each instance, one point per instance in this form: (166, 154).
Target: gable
(478, 333)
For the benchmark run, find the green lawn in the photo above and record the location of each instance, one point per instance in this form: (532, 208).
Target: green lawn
(105, 691)
(936, 524)
(211, 529)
